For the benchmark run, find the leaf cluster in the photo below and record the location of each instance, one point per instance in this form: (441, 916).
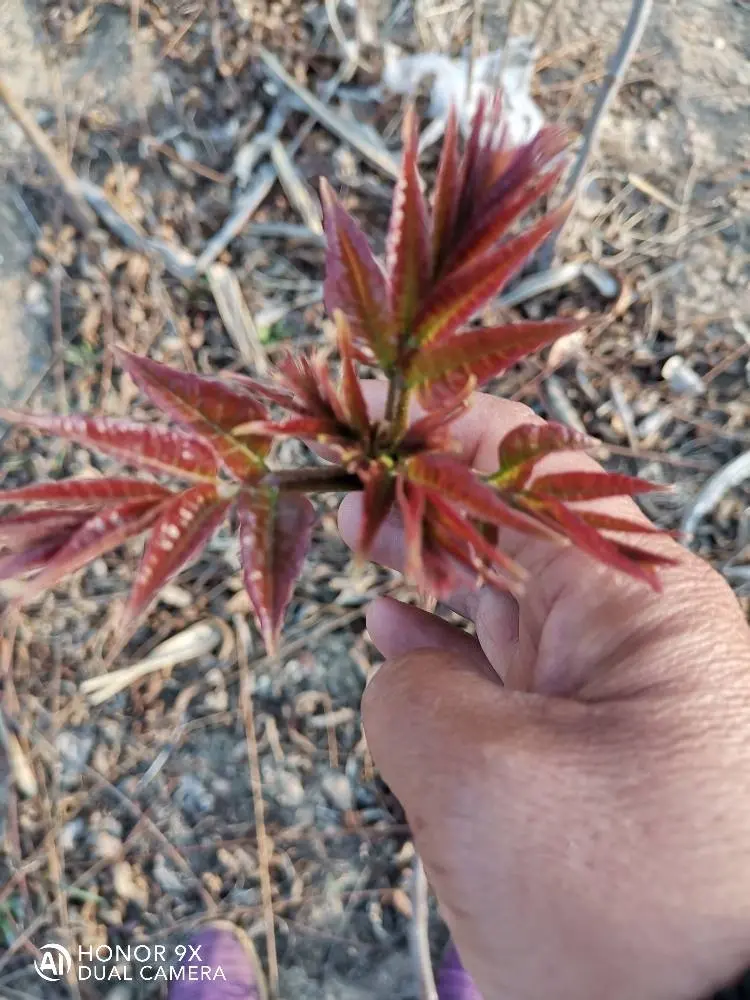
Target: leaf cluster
(409, 319)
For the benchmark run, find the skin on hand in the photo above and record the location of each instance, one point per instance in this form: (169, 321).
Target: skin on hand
(577, 778)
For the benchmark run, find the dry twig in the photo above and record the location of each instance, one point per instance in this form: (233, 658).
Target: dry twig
(376, 155)
(420, 932)
(618, 66)
(237, 318)
(67, 179)
(295, 188)
(242, 633)
(176, 259)
(732, 475)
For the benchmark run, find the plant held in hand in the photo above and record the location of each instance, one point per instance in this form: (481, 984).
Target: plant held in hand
(444, 263)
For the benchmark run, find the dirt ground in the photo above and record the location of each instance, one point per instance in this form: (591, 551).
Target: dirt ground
(137, 817)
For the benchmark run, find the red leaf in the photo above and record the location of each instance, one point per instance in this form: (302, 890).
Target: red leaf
(97, 535)
(412, 502)
(408, 255)
(470, 178)
(24, 529)
(210, 407)
(606, 522)
(355, 407)
(431, 432)
(445, 197)
(643, 557)
(275, 532)
(525, 164)
(354, 280)
(449, 478)
(634, 562)
(85, 491)
(496, 219)
(527, 444)
(14, 564)
(314, 429)
(148, 446)
(441, 371)
(185, 523)
(272, 393)
(427, 561)
(377, 500)
(461, 527)
(574, 486)
(303, 376)
(462, 293)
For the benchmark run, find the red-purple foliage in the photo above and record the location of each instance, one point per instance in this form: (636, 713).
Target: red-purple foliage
(443, 264)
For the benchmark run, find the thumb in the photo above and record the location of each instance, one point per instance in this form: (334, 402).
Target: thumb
(490, 779)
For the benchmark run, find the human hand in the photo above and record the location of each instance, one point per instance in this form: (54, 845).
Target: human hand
(577, 778)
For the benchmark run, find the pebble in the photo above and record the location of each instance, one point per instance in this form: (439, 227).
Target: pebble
(74, 750)
(167, 877)
(338, 791)
(120, 992)
(591, 199)
(36, 300)
(107, 845)
(285, 787)
(71, 833)
(128, 885)
(682, 377)
(192, 795)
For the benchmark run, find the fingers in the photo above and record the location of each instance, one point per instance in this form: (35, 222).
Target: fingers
(398, 629)
(410, 710)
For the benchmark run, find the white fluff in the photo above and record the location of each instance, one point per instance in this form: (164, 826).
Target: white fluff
(511, 68)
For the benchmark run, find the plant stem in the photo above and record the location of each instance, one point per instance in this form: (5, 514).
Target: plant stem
(397, 408)
(401, 417)
(394, 384)
(313, 479)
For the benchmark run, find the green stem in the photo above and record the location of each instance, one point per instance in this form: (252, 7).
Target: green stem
(401, 417)
(397, 408)
(312, 479)
(391, 402)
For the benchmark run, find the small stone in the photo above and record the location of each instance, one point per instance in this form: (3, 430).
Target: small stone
(167, 878)
(107, 846)
(682, 377)
(128, 885)
(192, 796)
(71, 833)
(285, 787)
(591, 199)
(217, 699)
(186, 149)
(36, 300)
(338, 791)
(119, 992)
(74, 750)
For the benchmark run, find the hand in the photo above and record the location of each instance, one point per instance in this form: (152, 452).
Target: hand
(577, 777)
